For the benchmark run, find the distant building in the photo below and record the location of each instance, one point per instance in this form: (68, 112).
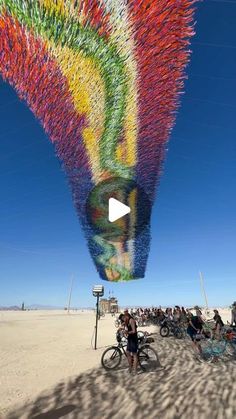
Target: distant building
(109, 305)
(104, 305)
(114, 308)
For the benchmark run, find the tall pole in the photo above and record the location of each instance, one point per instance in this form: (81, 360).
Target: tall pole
(96, 327)
(70, 293)
(203, 289)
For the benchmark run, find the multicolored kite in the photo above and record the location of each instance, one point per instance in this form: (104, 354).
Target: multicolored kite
(104, 78)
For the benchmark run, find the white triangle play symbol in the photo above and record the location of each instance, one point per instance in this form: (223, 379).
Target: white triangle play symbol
(117, 210)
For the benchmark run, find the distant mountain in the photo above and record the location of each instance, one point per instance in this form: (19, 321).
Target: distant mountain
(42, 307)
(12, 308)
(49, 307)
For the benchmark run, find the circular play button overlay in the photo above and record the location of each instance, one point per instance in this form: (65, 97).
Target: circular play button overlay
(118, 209)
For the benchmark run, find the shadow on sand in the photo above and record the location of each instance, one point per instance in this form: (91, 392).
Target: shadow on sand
(185, 389)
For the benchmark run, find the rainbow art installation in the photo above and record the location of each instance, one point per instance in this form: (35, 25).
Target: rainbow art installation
(104, 78)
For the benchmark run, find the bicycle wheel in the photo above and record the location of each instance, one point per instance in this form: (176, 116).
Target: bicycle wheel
(164, 331)
(218, 347)
(111, 358)
(148, 358)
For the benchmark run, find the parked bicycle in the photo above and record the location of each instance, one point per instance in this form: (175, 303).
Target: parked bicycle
(214, 348)
(147, 356)
(170, 327)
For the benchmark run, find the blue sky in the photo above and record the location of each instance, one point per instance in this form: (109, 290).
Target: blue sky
(193, 222)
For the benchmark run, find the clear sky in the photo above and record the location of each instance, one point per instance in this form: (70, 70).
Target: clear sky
(194, 218)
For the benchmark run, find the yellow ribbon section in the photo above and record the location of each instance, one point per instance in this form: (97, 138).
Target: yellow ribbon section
(88, 95)
(68, 8)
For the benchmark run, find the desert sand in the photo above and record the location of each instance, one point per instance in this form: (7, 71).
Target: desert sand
(48, 369)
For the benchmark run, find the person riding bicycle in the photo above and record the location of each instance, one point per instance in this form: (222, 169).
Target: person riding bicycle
(132, 344)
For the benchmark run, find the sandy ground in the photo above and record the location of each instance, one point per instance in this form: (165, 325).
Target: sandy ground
(48, 369)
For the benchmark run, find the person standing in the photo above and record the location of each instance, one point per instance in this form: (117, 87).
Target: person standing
(219, 324)
(194, 329)
(132, 344)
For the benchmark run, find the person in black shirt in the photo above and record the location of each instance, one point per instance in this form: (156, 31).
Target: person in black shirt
(218, 323)
(132, 344)
(195, 328)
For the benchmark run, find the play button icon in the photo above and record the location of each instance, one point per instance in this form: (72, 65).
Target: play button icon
(117, 210)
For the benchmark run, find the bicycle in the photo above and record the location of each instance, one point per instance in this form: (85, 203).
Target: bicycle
(157, 320)
(147, 356)
(168, 327)
(212, 349)
(229, 335)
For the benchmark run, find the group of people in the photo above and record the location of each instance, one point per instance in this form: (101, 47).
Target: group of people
(159, 314)
(194, 323)
(179, 314)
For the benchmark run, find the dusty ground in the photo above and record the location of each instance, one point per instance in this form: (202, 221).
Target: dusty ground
(49, 370)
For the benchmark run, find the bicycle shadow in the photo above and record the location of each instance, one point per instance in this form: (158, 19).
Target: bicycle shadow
(152, 366)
